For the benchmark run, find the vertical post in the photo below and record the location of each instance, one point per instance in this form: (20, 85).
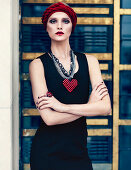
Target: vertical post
(116, 61)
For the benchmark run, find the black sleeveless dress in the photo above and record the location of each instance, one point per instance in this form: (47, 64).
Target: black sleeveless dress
(63, 146)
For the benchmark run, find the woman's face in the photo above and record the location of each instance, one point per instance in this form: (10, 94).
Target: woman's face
(59, 21)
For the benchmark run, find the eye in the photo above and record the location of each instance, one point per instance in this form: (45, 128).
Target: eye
(66, 21)
(52, 21)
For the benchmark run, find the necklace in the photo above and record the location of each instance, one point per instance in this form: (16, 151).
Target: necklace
(68, 82)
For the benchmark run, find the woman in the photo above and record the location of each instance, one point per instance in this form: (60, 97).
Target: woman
(60, 85)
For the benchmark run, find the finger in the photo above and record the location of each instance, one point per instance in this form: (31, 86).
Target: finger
(44, 106)
(101, 87)
(97, 85)
(42, 99)
(102, 91)
(42, 96)
(39, 98)
(104, 94)
(43, 103)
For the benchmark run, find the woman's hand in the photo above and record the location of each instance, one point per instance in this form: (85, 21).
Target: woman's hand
(49, 102)
(98, 92)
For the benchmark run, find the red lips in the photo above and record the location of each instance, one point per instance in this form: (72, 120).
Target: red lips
(59, 33)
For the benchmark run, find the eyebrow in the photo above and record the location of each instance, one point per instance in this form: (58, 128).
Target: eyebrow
(56, 18)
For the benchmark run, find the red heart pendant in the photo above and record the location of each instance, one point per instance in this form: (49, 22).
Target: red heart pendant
(70, 85)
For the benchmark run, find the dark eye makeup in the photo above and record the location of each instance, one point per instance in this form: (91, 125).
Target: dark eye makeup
(64, 20)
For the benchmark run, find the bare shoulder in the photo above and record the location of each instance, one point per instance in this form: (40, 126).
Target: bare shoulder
(36, 63)
(92, 60)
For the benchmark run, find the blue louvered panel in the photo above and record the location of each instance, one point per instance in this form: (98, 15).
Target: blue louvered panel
(125, 34)
(27, 98)
(125, 94)
(100, 148)
(124, 147)
(85, 39)
(26, 143)
(30, 122)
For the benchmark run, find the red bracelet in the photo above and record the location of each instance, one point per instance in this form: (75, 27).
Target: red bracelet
(49, 94)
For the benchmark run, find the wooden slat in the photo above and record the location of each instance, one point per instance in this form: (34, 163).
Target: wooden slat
(26, 167)
(103, 66)
(97, 121)
(125, 122)
(91, 132)
(29, 132)
(71, 1)
(80, 20)
(125, 11)
(106, 77)
(30, 112)
(99, 132)
(125, 67)
(91, 10)
(99, 56)
(102, 56)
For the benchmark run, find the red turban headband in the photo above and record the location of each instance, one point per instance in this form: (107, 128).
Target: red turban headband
(59, 7)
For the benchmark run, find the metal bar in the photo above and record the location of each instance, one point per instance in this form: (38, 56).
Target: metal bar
(100, 56)
(116, 60)
(97, 121)
(91, 10)
(124, 122)
(125, 11)
(91, 132)
(71, 1)
(125, 67)
(30, 112)
(80, 20)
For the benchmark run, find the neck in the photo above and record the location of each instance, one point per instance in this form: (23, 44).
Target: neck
(61, 49)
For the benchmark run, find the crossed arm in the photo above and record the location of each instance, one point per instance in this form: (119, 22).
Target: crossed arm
(65, 113)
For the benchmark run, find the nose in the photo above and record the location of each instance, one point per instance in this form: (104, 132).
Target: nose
(59, 26)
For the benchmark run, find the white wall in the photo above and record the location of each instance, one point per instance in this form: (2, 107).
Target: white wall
(9, 84)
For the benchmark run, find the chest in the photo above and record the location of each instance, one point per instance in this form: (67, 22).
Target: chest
(66, 64)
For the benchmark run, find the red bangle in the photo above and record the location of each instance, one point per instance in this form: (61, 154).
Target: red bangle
(49, 94)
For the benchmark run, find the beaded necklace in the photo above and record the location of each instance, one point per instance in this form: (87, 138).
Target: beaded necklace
(68, 82)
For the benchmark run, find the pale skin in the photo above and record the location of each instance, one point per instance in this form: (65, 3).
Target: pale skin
(52, 111)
